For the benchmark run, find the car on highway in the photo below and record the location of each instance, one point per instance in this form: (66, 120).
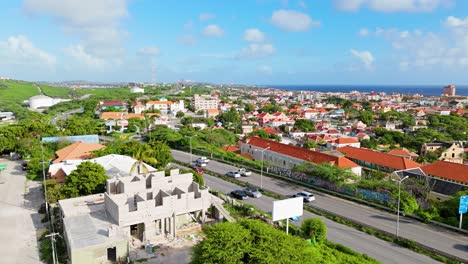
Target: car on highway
(253, 192)
(244, 172)
(203, 160)
(239, 194)
(198, 170)
(308, 197)
(233, 174)
(200, 163)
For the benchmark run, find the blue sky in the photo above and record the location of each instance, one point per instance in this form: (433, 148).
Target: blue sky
(232, 41)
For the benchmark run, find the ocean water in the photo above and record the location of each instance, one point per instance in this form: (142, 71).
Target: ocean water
(428, 90)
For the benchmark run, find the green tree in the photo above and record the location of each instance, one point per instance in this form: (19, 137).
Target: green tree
(305, 125)
(88, 178)
(366, 117)
(162, 153)
(144, 154)
(54, 191)
(249, 108)
(229, 117)
(315, 228)
(82, 125)
(180, 114)
(198, 178)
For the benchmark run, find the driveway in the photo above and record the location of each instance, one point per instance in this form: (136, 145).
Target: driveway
(19, 219)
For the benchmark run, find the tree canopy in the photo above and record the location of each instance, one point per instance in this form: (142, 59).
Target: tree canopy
(304, 125)
(88, 178)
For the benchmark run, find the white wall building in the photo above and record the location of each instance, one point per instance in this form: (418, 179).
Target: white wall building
(42, 101)
(204, 102)
(137, 89)
(165, 106)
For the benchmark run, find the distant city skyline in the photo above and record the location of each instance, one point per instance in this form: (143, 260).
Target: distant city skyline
(359, 42)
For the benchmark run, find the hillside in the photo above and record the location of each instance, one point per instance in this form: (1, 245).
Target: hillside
(16, 91)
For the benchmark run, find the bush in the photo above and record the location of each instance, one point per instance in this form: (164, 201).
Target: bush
(315, 228)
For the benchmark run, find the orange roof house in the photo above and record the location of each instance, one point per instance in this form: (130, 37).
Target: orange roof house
(403, 153)
(112, 115)
(77, 151)
(230, 148)
(448, 170)
(378, 160)
(301, 153)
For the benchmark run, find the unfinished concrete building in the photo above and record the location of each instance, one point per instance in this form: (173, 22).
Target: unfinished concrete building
(98, 228)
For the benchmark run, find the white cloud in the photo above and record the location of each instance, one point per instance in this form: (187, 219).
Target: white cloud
(264, 69)
(96, 23)
(255, 50)
(366, 58)
(393, 5)
(456, 22)
(79, 53)
(149, 51)
(187, 40)
(206, 16)
(428, 50)
(292, 21)
(213, 31)
(363, 32)
(254, 35)
(19, 50)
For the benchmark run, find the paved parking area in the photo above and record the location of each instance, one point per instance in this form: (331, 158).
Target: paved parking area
(19, 220)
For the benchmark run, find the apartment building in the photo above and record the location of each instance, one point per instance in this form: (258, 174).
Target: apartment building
(205, 102)
(165, 106)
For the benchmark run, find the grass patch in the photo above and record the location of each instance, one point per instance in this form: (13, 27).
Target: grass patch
(54, 91)
(17, 91)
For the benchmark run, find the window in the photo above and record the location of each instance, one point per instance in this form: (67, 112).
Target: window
(453, 155)
(112, 254)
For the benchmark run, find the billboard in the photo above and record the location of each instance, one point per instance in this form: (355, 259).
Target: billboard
(284, 209)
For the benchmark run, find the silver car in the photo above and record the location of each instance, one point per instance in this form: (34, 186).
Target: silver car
(253, 192)
(233, 174)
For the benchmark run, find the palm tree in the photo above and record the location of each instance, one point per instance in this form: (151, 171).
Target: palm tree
(143, 155)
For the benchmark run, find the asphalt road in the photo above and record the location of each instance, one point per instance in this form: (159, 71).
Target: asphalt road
(19, 220)
(431, 236)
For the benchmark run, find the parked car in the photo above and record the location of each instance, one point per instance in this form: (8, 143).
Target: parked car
(308, 197)
(253, 192)
(239, 194)
(233, 174)
(244, 172)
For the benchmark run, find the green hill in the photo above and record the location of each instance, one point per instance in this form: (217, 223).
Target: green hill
(16, 91)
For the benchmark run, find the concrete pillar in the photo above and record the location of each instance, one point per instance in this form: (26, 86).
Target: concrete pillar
(174, 228)
(150, 230)
(203, 216)
(163, 226)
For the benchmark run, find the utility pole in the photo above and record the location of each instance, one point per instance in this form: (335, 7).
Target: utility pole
(52, 240)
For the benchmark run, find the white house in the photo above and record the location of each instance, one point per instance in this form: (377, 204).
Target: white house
(137, 89)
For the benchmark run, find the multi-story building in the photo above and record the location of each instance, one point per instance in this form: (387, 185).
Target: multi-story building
(204, 102)
(165, 106)
(449, 90)
(451, 151)
(98, 228)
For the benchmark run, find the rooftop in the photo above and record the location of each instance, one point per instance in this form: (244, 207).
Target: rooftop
(448, 170)
(379, 158)
(77, 150)
(301, 153)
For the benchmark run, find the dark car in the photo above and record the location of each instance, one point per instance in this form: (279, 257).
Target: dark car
(239, 194)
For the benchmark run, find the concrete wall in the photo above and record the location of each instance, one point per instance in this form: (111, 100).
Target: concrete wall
(98, 254)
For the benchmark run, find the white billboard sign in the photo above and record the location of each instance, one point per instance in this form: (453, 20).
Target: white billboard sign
(285, 209)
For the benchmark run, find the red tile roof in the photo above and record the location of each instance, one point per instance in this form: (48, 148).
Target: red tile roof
(270, 130)
(379, 158)
(76, 151)
(301, 153)
(399, 152)
(230, 148)
(113, 103)
(447, 170)
(346, 140)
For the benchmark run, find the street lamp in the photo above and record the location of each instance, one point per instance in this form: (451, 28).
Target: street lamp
(398, 211)
(261, 170)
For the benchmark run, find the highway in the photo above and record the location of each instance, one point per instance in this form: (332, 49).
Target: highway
(431, 236)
